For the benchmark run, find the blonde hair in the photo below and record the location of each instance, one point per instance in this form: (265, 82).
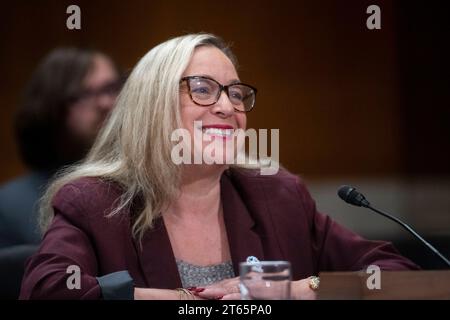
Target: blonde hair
(133, 149)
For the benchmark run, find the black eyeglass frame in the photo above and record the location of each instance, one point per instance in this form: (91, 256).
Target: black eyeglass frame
(221, 88)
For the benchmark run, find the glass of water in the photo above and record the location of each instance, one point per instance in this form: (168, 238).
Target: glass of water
(265, 280)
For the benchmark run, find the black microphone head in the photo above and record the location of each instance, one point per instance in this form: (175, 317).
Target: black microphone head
(350, 195)
(344, 192)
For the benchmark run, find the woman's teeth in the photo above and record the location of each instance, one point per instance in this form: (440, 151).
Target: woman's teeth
(218, 132)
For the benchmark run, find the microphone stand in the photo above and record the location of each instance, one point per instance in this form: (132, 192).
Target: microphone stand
(409, 229)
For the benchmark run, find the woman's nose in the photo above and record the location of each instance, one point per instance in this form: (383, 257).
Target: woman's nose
(223, 107)
(106, 101)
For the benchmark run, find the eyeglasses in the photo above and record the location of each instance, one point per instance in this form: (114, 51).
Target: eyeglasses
(111, 89)
(205, 91)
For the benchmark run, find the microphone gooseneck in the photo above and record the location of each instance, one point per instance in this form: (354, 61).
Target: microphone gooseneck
(353, 197)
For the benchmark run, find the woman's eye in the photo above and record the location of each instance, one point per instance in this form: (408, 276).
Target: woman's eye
(201, 90)
(237, 95)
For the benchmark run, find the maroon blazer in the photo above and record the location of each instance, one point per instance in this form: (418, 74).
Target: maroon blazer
(270, 217)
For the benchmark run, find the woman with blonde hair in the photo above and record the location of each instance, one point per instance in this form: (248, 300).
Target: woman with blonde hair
(134, 223)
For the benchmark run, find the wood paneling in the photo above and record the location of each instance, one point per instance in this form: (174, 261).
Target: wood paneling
(332, 87)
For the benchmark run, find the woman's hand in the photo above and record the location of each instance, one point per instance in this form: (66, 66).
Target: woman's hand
(228, 289)
(301, 290)
(162, 294)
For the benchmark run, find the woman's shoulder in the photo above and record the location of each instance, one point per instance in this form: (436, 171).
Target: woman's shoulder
(281, 185)
(91, 186)
(90, 193)
(282, 195)
(281, 177)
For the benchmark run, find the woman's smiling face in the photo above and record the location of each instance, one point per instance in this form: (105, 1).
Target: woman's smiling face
(220, 120)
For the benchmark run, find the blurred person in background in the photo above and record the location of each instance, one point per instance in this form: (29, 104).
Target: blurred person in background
(64, 105)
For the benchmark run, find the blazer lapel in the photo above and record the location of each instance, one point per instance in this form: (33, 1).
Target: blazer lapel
(157, 259)
(243, 240)
(156, 255)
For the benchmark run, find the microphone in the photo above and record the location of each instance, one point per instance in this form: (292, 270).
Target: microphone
(352, 196)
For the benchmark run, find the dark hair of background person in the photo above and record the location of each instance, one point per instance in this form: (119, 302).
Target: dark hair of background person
(43, 140)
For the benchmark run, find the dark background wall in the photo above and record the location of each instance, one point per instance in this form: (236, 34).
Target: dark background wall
(349, 102)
